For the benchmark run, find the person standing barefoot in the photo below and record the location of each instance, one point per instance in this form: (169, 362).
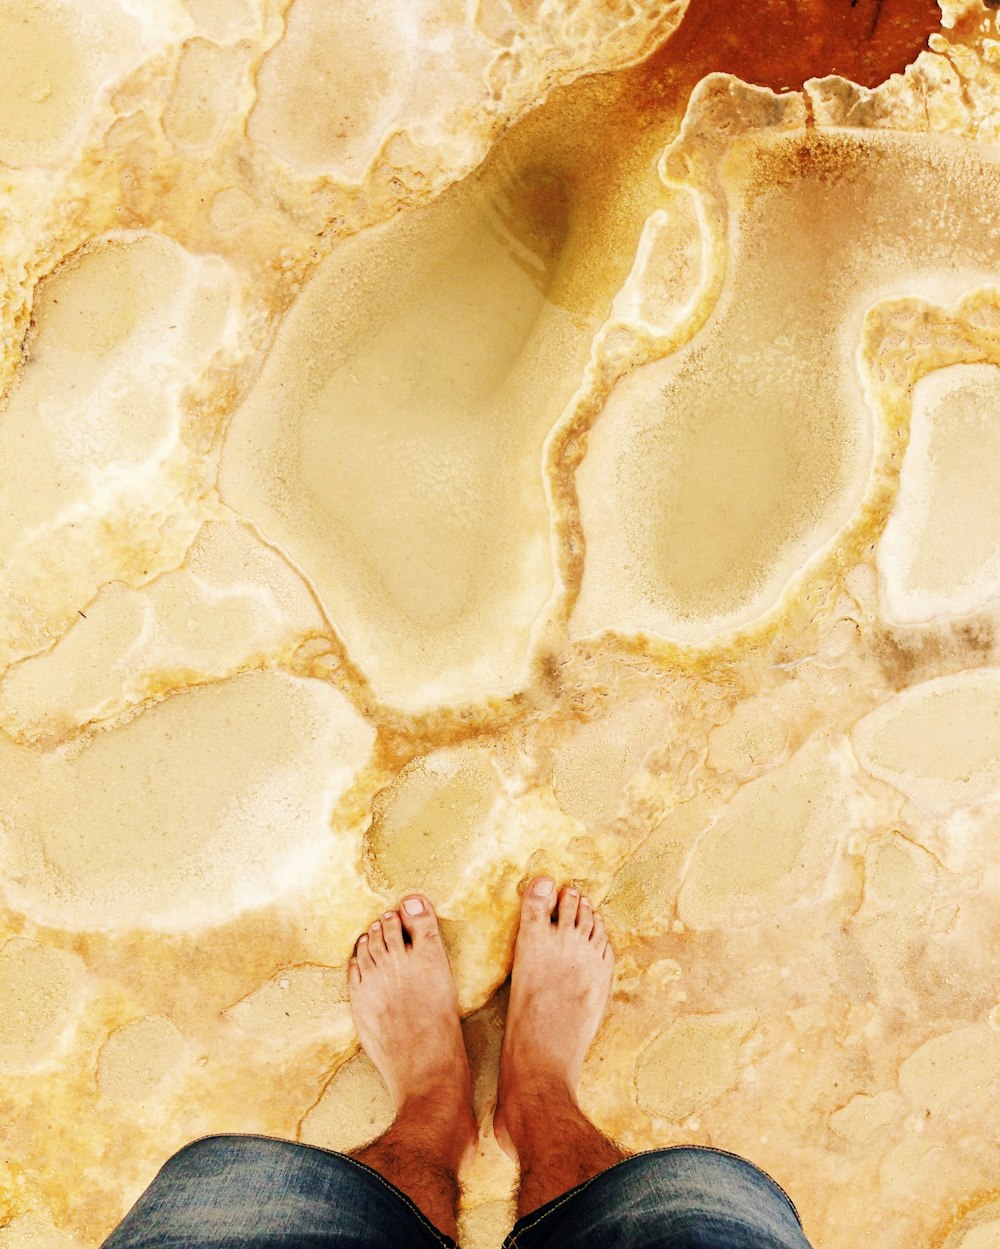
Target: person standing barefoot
(404, 1003)
(560, 986)
(405, 1006)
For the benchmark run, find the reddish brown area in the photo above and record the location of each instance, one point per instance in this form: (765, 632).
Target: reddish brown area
(781, 43)
(583, 165)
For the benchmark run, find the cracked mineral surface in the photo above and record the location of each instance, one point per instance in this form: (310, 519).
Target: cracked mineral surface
(466, 440)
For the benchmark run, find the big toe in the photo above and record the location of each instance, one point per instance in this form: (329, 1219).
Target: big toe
(419, 920)
(539, 900)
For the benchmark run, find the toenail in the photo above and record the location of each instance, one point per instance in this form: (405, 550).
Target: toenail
(388, 915)
(572, 892)
(374, 927)
(585, 902)
(363, 937)
(413, 906)
(542, 887)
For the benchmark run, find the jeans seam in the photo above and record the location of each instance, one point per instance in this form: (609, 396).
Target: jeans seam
(335, 1153)
(515, 1236)
(439, 1235)
(565, 1197)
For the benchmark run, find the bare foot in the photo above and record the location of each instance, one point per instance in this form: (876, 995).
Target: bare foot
(559, 990)
(405, 1008)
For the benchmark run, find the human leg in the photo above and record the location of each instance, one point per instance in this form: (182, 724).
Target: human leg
(558, 1147)
(246, 1192)
(405, 1007)
(577, 1187)
(560, 984)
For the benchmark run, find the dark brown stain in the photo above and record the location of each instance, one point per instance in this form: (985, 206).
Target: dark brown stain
(821, 157)
(549, 673)
(909, 656)
(533, 213)
(976, 637)
(900, 660)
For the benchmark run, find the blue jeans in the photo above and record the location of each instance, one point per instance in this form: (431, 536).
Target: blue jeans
(254, 1192)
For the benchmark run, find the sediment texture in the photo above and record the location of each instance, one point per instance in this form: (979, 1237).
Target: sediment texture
(424, 465)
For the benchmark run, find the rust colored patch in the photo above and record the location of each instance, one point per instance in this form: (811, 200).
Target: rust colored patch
(781, 43)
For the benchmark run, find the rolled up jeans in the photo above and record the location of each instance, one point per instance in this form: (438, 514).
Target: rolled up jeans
(255, 1192)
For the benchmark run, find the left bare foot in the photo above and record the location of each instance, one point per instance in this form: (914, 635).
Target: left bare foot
(405, 1007)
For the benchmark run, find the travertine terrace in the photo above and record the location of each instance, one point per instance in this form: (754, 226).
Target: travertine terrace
(449, 441)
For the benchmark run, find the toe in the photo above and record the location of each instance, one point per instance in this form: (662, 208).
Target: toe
(392, 931)
(376, 941)
(569, 902)
(365, 961)
(539, 900)
(585, 918)
(353, 973)
(419, 920)
(598, 935)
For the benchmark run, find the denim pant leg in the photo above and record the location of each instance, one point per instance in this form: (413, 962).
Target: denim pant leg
(686, 1197)
(255, 1192)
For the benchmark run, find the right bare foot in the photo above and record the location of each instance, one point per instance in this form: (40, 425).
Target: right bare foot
(560, 984)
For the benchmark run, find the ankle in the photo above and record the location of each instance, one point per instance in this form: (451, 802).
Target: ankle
(538, 1064)
(539, 1086)
(450, 1115)
(556, 1145)
(441, 1102)
(530, 1105)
